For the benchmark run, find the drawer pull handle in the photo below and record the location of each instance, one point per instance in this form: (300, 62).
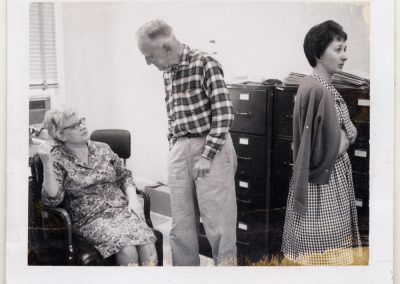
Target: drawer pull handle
(243, 158)
(287, 163)
(242, 243)
(289, 116)
(244, 113)
(243, 201)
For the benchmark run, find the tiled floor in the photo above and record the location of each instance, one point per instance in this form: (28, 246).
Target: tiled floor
(163, 224)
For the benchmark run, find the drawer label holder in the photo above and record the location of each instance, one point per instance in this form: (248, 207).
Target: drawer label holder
(242, 226)
(244, 141)
(244, 97)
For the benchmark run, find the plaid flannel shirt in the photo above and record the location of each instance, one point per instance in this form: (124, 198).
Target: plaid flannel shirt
(198, 101)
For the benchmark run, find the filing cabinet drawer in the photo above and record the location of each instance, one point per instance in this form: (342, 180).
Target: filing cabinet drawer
(279, 194)
(204, 246)
(251, 203)
(362, 140)
(361, 186)
(275, 230)
(281, 159)
(248, 229)
(283, 112)
(358, 103)
(251, 156)
(359, 159)
(250, 189)
(250, 108)
(251, 252)
(363, 224)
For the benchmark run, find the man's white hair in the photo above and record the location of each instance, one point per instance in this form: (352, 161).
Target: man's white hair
(155, 30)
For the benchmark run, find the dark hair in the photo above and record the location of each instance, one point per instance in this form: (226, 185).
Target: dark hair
(319, 37)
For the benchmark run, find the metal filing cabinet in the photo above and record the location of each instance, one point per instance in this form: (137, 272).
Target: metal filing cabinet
(281, 159)
(251, 136)
(358, 103)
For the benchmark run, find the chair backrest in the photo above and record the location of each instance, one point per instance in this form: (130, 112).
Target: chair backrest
(119, 140)
(37, 172)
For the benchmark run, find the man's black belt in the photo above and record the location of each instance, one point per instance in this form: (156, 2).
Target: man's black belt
(194, 135)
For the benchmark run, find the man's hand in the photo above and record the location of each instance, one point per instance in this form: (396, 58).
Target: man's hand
(133, 202)
(201, 168)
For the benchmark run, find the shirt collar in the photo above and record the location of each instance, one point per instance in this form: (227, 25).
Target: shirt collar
(185, 55)
(184, 59)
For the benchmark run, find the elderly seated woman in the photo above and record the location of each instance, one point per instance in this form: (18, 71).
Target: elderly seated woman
(98, 192)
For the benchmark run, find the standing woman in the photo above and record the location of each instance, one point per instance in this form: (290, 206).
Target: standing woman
(321, 218)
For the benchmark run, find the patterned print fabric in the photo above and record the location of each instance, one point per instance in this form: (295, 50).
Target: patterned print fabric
(93, 195)
(328, 232)
(198, 101)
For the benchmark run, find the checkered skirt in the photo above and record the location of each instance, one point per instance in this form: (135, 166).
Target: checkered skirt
(327, 234)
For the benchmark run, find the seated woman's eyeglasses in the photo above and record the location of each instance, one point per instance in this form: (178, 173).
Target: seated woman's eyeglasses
(77, 125)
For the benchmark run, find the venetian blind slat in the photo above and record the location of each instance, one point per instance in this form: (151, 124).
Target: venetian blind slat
(42, 47)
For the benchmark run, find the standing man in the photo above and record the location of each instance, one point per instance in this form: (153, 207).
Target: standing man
(202, 161)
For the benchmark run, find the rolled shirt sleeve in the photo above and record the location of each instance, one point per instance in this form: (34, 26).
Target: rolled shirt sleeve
(221, 108)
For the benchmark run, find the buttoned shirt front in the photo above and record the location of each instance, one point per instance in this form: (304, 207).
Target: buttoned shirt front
(198, 100)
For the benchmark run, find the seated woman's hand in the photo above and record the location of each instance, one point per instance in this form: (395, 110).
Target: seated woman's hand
(45, 152)
(344, 142)
(136, 207)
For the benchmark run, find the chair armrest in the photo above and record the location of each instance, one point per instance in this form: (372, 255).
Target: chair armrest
(62, 213)
(146, 199)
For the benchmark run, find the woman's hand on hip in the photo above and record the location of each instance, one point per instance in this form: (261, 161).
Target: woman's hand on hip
(353, 138)
(344, 142)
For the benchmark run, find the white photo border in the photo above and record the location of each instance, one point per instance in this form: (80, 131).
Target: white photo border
(380, 266)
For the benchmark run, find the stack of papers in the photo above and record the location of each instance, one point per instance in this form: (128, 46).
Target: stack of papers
(294, 79)
(344, 79)
(340, 80)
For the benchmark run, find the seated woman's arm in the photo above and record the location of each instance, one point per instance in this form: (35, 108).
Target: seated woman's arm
(125, 182)
(52, 191)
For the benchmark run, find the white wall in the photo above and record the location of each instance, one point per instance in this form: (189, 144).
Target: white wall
(107, 79)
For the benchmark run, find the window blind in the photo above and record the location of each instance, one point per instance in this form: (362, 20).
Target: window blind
(42, 46)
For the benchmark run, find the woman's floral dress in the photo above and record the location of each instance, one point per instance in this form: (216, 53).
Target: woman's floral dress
(93, 195)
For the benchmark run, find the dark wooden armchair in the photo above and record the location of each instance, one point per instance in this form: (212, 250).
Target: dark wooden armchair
(51, 238)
